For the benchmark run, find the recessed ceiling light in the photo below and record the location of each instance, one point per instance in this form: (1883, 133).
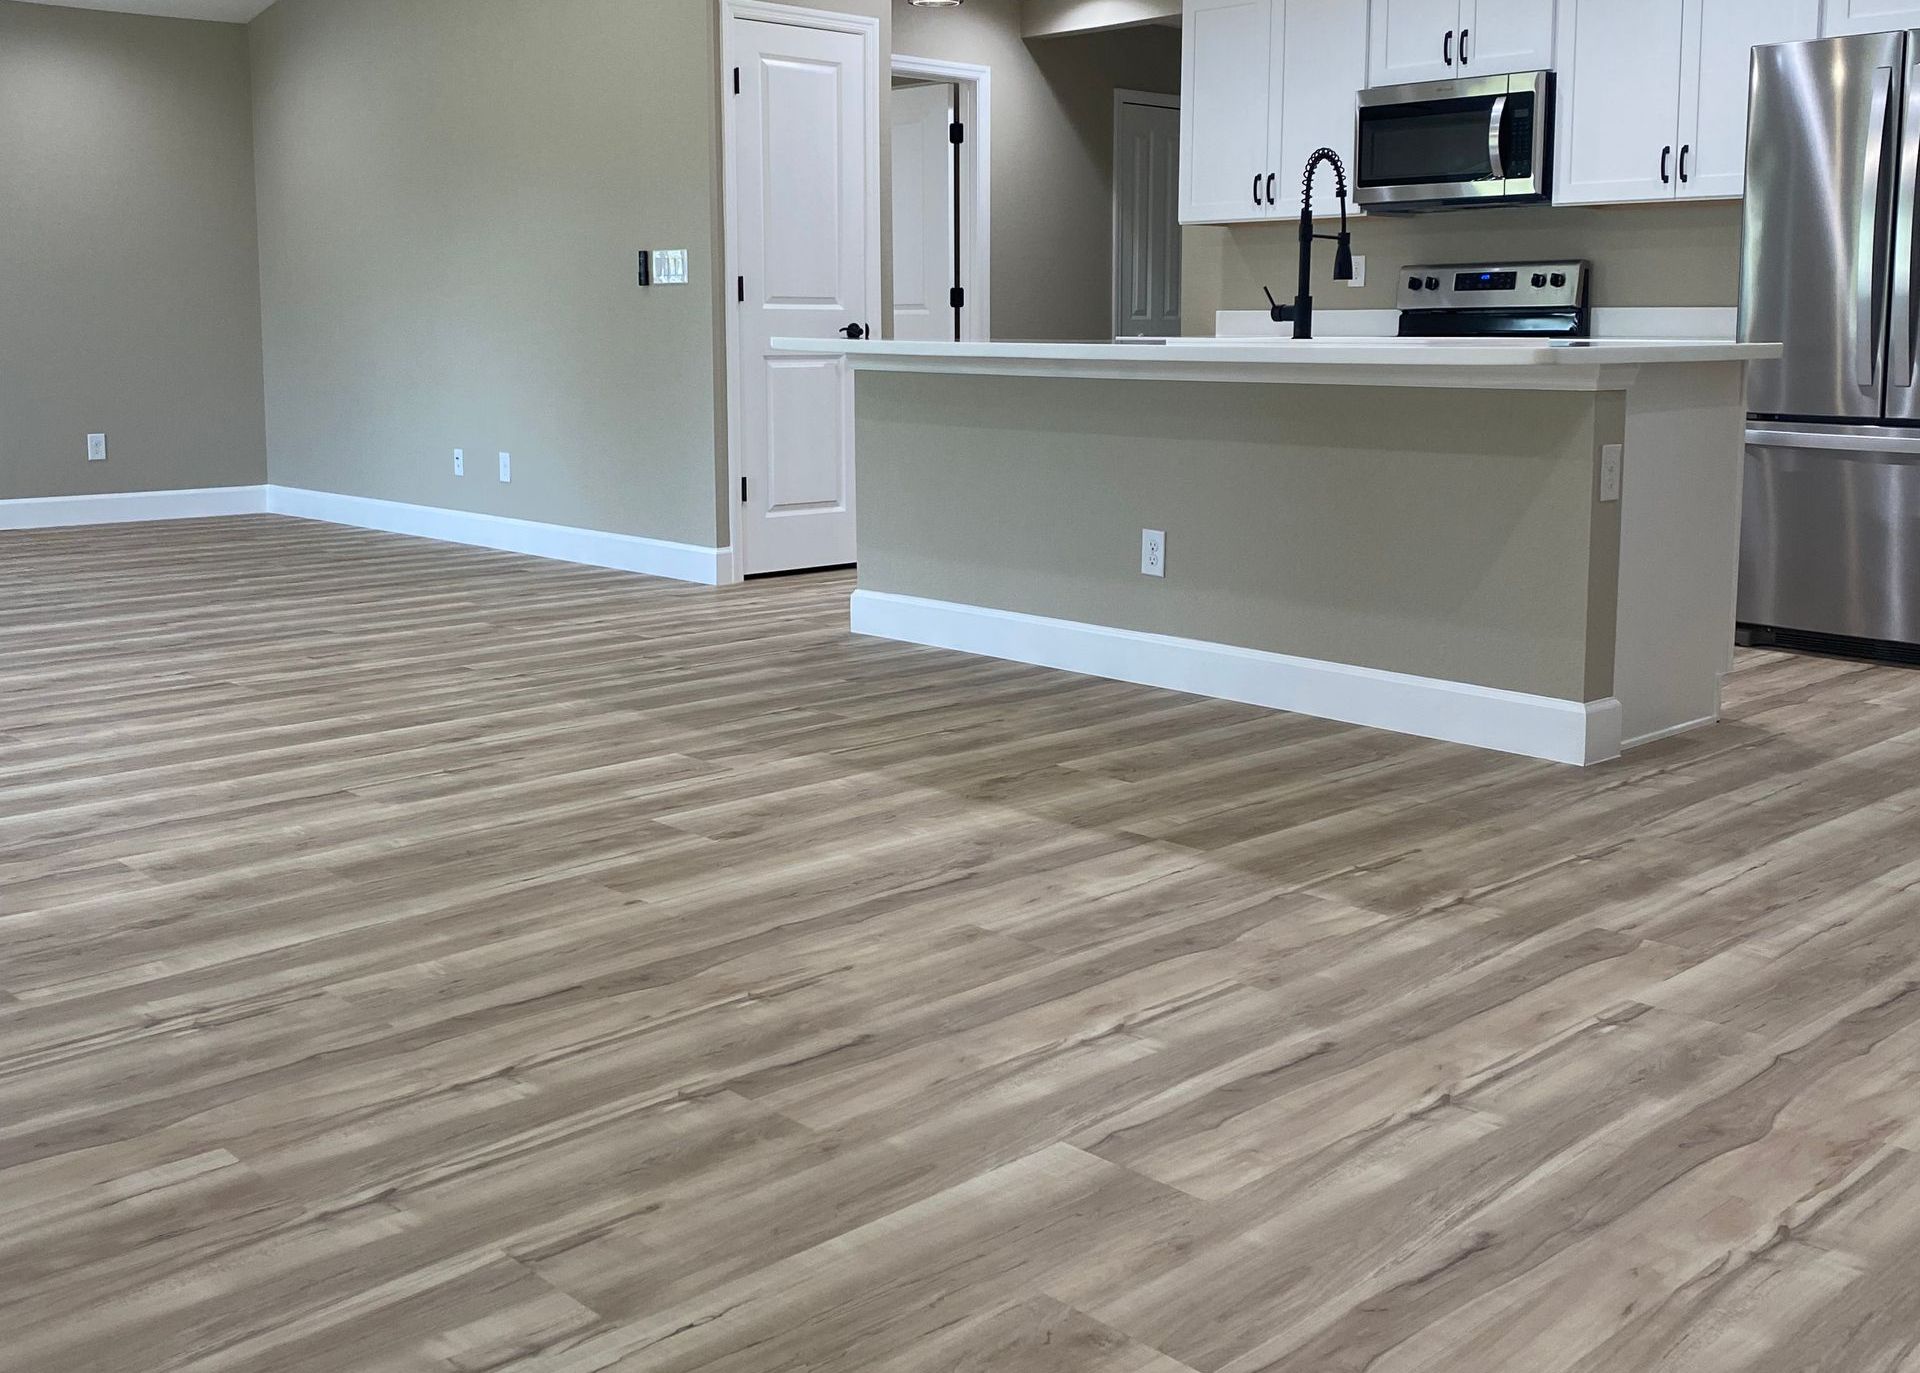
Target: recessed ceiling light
(937, 4)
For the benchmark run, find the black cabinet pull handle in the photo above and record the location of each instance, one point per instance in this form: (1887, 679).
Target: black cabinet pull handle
(1463, 46)
(1685, 148)
(1666, 165)
(1447, 49)
(1271, 178)
(1256, 188)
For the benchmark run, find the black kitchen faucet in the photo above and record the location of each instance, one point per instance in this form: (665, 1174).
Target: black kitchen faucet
(1300, 313)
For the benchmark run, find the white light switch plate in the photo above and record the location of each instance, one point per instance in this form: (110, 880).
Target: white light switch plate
(506, 467)
(670, 267)
(96, 448)
(1612, 460)
(1359, 272)
(459, 462)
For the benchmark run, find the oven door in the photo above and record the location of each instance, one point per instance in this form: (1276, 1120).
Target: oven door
(1455, 143)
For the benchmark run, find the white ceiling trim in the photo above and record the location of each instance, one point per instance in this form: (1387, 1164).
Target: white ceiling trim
(227, 11)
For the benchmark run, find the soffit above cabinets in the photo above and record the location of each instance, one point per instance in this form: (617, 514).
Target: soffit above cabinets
(228, 11)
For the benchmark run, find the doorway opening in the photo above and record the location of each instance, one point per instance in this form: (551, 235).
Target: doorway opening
(942, 166)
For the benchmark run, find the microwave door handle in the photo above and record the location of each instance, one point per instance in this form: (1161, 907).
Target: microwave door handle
(1905, 324)
(1497, 139)
(1868, 250)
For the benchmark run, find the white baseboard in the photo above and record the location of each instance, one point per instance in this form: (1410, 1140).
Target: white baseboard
(595, 548)
(1506, 721)
(131, 507)
(563, 543)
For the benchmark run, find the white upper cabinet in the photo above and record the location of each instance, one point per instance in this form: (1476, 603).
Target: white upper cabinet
(1653, 94)
(1432, 40)
(1713, 94)
(1322, 69)
(1265, 83)
(1226, 79)
(1619, 118)
(1505, 36)
(1868, 16)
(1413, 40)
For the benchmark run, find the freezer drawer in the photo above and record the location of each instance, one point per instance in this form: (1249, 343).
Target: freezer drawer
(1830, 539)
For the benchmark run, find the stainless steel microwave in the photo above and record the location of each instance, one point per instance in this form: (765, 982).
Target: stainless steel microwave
(1486, 140)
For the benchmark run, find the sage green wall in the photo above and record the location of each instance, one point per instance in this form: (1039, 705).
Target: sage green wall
(1447, 534)
(451, 197)
(1671, 254)
(1052, 154)
(129, 281)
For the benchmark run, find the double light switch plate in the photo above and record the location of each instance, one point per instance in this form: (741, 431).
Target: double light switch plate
(664, 267)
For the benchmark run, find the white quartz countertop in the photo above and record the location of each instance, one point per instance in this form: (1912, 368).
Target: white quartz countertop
(1491, 364)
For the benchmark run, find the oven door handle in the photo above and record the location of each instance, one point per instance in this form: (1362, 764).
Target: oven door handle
(1497, 139)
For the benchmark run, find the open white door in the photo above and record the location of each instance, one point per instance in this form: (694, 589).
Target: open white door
(1146, 210)
(926, 243)
(804, 158)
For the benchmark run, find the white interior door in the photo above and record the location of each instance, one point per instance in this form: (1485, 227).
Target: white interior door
(925, 232)
(805, 131)
(1146, 198)
(1713, 104)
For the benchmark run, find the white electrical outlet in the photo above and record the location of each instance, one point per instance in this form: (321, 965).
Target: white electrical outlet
(1359, 272)
(1612, 460)
(96, 448)
(506, 467)
(1153, 553)
(459, 462)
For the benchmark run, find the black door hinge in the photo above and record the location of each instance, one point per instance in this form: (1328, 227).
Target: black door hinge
(957, 133)
(957, 298)
(740, 290)
(736, 81)
(743, 490)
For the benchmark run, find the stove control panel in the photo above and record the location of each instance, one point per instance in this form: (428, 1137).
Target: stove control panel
(1496, 286)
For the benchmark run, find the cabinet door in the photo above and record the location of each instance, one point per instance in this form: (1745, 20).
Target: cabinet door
(1619, 130)
(1412, 40)
(1224, 113)
(1867, 16)
(1721, 37)
(1321, 70)
(1505, 36)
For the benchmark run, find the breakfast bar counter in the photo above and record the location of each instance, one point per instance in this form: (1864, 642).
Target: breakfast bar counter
(1512, 544)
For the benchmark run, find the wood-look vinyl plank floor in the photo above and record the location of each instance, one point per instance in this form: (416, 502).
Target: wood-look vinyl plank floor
(417, 958)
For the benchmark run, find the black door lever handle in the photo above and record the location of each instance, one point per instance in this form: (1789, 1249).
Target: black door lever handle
(854, 332)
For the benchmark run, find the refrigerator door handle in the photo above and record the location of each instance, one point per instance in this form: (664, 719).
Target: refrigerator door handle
(1906, 325)
(1870, 252)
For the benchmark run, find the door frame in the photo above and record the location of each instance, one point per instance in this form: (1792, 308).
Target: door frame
(1121, 99)
(867, 27)
(974, 110)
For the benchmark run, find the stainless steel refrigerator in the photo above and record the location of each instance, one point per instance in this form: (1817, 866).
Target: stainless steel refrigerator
(1830, 554)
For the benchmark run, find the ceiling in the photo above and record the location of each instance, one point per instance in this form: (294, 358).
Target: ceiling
(233, 11)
